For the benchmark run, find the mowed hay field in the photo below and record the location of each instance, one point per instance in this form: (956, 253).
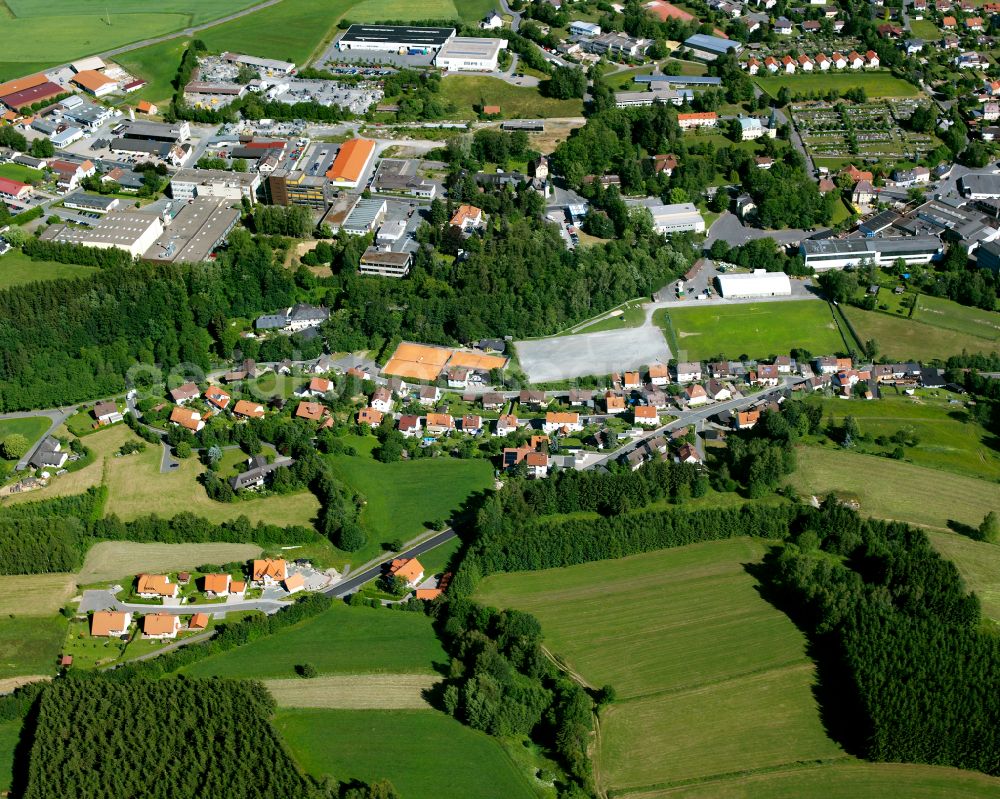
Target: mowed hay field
(846, 780)
(891, 489)
(342, 640)
(759, 329)
(911, 339)
(424, 753)
(109, 560)
(876, 84)
(354, 692)
(403, 11)
(710, 678)
(30, 645)
(950, 315)
(979, 564)
(35, 594)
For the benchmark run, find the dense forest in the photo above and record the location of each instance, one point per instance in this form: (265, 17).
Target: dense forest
(64, 341)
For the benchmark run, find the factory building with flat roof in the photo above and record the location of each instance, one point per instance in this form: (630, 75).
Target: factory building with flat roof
(394, 38)
(469, 54)
(187, 184)
(132, 231)
(199, 228)
(824, 254)
(759, 283)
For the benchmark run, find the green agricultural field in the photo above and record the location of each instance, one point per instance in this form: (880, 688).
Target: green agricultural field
(876, 84)
(157, 64)
(891, 489)
(950, 315)
(35, 594)
(846, 780)
(906, 339)
(979, 564)
(343, 640)
(946, 438)
(466, 91)
(405, 11)
(10, 734)
(111, 560)
(685, 639)
(30, 645)
(424, 753)
(25, 174)
(401, 498)
(758, 330)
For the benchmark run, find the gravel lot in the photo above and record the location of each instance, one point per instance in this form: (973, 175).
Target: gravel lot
(565, 357)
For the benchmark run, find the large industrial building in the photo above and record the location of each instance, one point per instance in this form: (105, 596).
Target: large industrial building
(351, 163)
(467, 54)
(677, 218)
(826, 254)
(187, 184)
(708, 48)
(394, 39)
(132, 231)
(195, 232)
(759, 283)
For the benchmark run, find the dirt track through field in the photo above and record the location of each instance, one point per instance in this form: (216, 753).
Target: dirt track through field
(354, 692)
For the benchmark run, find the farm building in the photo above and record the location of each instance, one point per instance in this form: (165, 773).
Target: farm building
(759, 283)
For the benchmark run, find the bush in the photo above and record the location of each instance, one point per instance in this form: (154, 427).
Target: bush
(14, 446)
(306, 671)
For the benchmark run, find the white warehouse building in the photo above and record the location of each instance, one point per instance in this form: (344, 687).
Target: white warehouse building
(759, 283)
(826, 254)
(677, 218)
(470, 54)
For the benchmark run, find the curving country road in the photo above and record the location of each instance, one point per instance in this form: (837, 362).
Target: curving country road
(56, 417)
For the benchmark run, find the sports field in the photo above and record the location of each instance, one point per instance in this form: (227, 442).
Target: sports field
(686, 640)
(876, 84)
(466, 91)
(109, 560)
(891, 489)
(946, 439)
(979, 564)
(343, 640)
(950, 315)
(54, 31)
(401, 498)
(910, 339)
(424, 753)
(759, 330)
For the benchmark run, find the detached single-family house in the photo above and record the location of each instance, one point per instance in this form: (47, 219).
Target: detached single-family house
(532, 398)
(772, 65)
(688, 453)
(409, 570)
(382, 399)
(109, 623)
(688, 371)
(566, 422)
(765, 375)
(744, 420)
(467, 218)
(294, 583)
(185, 417)
(854, 60)
(409, 426)
(371, 417)
(646, 415)
(184, 393)
(316, 387)
(215, 585)
(106, 413)
(632, 381)
(155, 586)
(218, 397)
(199, 621)
(472, 424)
(49, 454)
(160, 626)
(506, 425)
(718, 392)
(838, 61)
(614, 403)
(429, 396)
(871, 60)
(268, 572)
(788, 65)
(248, 410)
(659, 374)
(805, 63)
(438, 424)
(822, 62)
(313, 411)
(458, 377)
(695, 395)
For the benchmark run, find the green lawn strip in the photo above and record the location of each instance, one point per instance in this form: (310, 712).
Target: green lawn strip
(435, 561)
(891, 489)
(30, 645)
(632, 316)
(16, 269)
(905, 339)
(758, 330)
(10, 735)
(343, 640)
(424, 753)
(876, 84)
(466, 91)
(401, 498)
(25, 174)
(950, 315)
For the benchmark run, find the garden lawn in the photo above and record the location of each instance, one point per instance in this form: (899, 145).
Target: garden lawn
(889, 489)
(406, 11)
(342, 640)
(16, 269)
(401, 498)
(424, 753)
(979, 564)
(31, 427)
(25, 174)
(30, 645)
(876, 84)
(758, 330)
(950, 315)
(924, 29)
(947, 438)
(841, 780)
(466, 91)
(909, 339)
(685, 639)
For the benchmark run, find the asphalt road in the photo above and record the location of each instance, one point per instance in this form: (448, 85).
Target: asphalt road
(56, 417)
(354, 582)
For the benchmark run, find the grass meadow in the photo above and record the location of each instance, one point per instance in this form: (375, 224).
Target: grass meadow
(16, 269)
(30, 644)
(963, 319)
(876, 84)
(109, 560)
(905, 339)
(758, 330)
(354, 691)
(35, 594)
(685, 640)
(31, 427)
(405, 11)
(10, 734)
(891, 489)
(466, 91)
(25, 174)
(343, 640)
(979, 564)
(424, 753)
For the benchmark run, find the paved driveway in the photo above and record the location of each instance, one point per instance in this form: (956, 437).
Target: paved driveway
(564, 357)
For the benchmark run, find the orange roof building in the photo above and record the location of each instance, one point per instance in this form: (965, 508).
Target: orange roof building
(467, 216)
(294, 583)
(109, 623)
(155, 585)
(251, 410)
(370, 417)
(216, 583)
(199, 621)
(145, 107)
(218, 397)
(160, 625)
(351, 163)
(237, 587)
(94, 82)
(408, 569)
(309, 410)
(269, 571)
(436, 423)
(698, 119)
(22, 84)
(185, 417)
